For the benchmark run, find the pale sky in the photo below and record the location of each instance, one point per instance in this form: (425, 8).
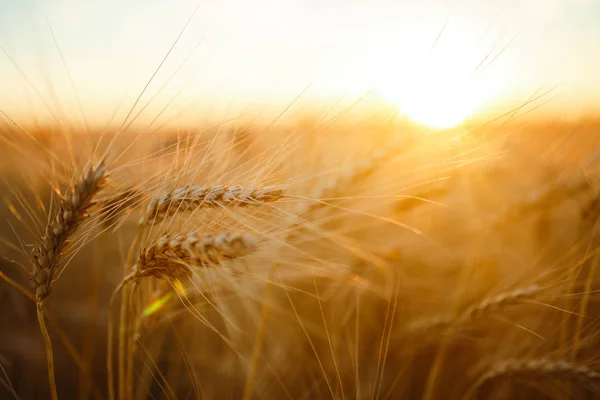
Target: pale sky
(263, 53)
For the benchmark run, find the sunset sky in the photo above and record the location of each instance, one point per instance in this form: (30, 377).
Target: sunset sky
(260, 55)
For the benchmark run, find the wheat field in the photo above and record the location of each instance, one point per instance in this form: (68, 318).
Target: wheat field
(354, 254)
(346, 261)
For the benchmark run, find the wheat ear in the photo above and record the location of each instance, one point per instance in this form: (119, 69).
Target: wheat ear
(351, 174)
(487, 305)
(170, 254)
(491, 304)
(69, 216)
(191, 197)
(71, 212)
(537, 368)
(335, 185)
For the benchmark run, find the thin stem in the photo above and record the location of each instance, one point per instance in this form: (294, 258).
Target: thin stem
(49, 353)
(123, 328)
(584, 305)
(122, 342)
(109, 345)
(130, 355)
(16, 285)
(62, 336)
(258, 341)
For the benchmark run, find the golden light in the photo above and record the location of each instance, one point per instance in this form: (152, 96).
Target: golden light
(440, 99)
(437, 86)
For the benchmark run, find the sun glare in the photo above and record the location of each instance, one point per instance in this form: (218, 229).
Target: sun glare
(440, 88)
(437, 99)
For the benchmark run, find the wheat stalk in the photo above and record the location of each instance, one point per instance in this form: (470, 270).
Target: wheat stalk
(170, 257)
(191, 197)
(71, 212)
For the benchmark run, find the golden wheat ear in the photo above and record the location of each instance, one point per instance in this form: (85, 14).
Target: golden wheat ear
(72, 211)
(191, 197)
(171, 255)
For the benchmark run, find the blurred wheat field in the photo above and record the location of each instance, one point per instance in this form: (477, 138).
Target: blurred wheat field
(347, 261)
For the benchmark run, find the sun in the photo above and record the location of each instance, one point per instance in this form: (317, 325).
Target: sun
(437, 104)
(439, 99)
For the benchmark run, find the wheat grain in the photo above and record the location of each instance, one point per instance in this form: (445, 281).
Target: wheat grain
(191, 197)
(170, 254)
